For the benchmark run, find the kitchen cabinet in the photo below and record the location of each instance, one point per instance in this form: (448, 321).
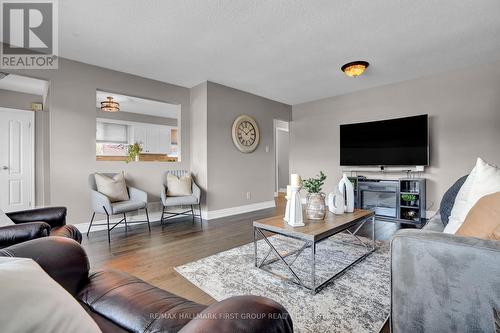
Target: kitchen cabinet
(154, 139)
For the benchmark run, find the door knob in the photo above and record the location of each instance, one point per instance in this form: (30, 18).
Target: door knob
(5, 168)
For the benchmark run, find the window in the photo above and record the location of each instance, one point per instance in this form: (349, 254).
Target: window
(154, 125)
(111, 139)
(112, 133)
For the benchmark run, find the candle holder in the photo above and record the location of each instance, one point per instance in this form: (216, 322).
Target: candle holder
(287, 209)
(293, 214)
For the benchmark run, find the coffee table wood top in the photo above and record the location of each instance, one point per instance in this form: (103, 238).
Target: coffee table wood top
(314, 230)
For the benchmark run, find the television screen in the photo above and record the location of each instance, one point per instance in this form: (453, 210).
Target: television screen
(398, 142)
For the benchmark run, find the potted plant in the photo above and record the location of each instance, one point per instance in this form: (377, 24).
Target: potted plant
(316, 207)
(133, 152)
(409, 199)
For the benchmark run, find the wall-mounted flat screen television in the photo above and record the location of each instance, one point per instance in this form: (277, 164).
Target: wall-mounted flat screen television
(392, 142)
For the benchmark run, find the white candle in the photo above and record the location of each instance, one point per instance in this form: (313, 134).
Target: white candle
(288, 192)
(295, 180)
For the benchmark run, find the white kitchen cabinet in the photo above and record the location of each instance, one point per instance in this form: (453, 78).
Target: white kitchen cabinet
(164, 140)
(154, 139)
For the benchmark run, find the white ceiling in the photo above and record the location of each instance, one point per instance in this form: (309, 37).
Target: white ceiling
(140, 105)
(23, 84)
(287, 50)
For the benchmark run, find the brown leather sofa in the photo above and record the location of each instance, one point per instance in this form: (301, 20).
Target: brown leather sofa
(36, 223)
(119, 302)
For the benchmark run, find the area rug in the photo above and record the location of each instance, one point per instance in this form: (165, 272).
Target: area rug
(358, 301)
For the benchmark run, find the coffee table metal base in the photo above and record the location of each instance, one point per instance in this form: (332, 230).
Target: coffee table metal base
(314, 288)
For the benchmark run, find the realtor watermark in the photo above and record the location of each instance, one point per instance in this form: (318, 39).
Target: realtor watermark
(29, 33)
(220, 316)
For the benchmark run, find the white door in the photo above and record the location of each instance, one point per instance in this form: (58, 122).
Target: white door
(16, 159)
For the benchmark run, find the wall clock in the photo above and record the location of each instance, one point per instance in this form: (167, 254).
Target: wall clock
(246, 134)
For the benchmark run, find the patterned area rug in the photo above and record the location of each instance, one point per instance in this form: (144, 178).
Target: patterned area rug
(358, 301)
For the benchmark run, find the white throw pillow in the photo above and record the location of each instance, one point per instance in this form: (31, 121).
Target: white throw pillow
(5, 220)
(459, 212)
(32, 302)
(114, 188)
(484, 179)
(179, 187)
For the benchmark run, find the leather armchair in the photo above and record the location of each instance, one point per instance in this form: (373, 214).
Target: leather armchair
(119, 302)
(36, 223)
(18, 233)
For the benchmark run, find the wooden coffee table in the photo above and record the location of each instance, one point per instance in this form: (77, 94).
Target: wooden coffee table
(312, 234)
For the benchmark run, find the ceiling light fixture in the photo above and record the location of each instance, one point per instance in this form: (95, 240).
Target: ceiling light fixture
(355, 68)
(110, 105)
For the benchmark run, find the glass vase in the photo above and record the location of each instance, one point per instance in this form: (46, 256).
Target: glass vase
(316, 207)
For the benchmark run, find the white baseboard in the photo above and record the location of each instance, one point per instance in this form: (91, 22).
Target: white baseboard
(215, 214)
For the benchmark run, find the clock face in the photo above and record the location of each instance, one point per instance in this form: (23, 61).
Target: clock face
(245, 134)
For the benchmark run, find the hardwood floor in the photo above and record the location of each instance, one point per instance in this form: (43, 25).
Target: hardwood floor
(153, 256)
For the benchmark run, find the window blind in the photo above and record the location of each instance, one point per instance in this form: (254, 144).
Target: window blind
(111, 133)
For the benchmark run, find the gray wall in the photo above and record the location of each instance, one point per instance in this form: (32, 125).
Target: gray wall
(72, 131)
(198, 134)
(464, 109)
(136, 117)
(231, 174)
(17, 100)
(283, 154)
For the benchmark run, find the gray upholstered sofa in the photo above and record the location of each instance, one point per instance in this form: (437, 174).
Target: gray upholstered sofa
(442, 282)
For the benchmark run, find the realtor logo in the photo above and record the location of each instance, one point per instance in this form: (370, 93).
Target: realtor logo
(29, 34)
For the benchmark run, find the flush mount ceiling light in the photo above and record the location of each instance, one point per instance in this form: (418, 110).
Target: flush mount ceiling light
(110, 105)
(355, 68)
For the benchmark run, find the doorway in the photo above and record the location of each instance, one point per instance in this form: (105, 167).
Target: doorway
(17, 134)
(282, 151)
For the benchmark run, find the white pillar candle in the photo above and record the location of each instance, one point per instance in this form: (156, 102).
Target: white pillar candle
(288, 192)
(295, 180)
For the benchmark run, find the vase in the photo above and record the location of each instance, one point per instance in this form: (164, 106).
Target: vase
(137, 158)
(347, 190)
(336, 203)
(316, 207)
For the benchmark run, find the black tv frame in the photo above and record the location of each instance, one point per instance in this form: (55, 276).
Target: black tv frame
(387, 164)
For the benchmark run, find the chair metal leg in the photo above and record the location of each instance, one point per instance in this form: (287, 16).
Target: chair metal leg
(162, 214)
(109, 231)
(91, 220)
(192, 213)
(199, 209)
(147, 218)
(125, 220)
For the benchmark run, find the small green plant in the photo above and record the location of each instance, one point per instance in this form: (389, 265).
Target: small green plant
(133, 151)
(313, 185)
(408, 197)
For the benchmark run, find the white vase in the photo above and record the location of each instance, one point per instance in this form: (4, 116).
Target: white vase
(347, 190)
(295, 218)
(336, 203)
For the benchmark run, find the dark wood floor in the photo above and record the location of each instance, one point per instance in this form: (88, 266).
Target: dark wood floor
(153, 256)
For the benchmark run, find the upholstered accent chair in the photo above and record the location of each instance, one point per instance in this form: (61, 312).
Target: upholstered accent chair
(192, 200)
(101, 204)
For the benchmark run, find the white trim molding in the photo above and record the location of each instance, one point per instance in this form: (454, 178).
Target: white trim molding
(215, 214)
